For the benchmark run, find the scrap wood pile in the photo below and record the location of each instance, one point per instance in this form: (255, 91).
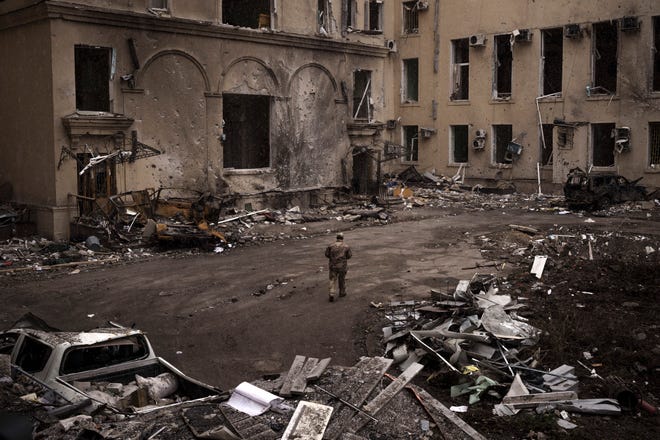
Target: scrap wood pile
(478, 339)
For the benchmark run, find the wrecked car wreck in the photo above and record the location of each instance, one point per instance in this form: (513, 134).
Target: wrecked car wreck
(600, 190)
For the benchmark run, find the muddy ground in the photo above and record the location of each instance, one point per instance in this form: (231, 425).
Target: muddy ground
(238, 315)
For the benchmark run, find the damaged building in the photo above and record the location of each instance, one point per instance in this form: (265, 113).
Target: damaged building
(271, 102)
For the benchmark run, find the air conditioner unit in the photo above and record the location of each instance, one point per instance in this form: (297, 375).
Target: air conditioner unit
(479, 143)
(481, 134)
(391, 45)
(478, 40)
(573, 31)
(427, 132)
(391, 149)
(391, 124)
(629, 24)
(422, 6)
(522, 35)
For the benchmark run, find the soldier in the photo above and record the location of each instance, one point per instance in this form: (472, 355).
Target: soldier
(338, 254)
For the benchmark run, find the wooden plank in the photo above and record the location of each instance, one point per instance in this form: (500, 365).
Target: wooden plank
(296, 368)
(318, 370)
(360, 420)
(349, 436)
(532, 400)
(300, 381)
(452, 426)
(356, 387)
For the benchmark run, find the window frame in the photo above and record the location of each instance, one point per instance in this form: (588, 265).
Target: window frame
(359, 99)
(150, 5)
(410, 95)
(268, 101)
(498, 68)
(495, 146)
(411, 154)
(546, 34)
(457, 71)
(543, 145)
(597, 88)
(82, 93)
(452, 144)
(409, 16)
(369, 25)
(655, 55)
(605, 126)
(654, 138)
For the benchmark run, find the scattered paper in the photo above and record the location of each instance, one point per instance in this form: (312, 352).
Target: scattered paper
(252, 400)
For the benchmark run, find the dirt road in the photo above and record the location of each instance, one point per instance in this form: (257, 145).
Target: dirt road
(225, 318)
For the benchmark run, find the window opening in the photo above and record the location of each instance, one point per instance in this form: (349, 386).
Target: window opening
(656, 53)
(546, 144)
(247, 131)
(246, 13)
(104, 354)
(322, 16)
(503, 134)
(362, 94)
(602, 145)
(158, 4)
(348, 14)
(460, 69)
(33, 355)
(411, 80)
(459, 141)
(552, 60)
(564, 137)
(654, 144)
(410, 142)
(373, 16)
(93, 69)
(410, 17)
(604, 56)
(503, 66)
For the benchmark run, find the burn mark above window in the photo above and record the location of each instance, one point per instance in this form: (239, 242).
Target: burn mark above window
(93, 69)
(246, 13)
(247, 131)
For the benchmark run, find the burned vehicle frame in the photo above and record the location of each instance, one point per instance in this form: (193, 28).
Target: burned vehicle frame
(113, 367)
(599, 190)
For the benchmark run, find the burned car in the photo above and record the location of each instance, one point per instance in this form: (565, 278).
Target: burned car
(599, 190)
(113, 367)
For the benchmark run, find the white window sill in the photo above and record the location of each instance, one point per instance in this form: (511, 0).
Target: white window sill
(246, 171)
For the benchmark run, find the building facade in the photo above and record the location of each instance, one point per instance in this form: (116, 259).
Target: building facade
(276, 102)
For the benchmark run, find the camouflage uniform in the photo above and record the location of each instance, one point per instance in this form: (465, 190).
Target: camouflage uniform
(338, 254)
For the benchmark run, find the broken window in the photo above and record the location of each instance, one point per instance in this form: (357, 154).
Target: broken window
(602, 145)
(94, 184)
(656, 54)
(348, 14)
(246, 13)
(410, 142)
(552, 60)
(362, 94)
(565, 137)
(322, 16)
(373, 15)
(654, 144)
(502, 135)
(410, 18)
(104, 354)
(93, 72)
(503, 67)
(158, 4)
(460, 69)
(247, 131)
(605, 43)
(410, 80)
(546, 144)
(33, 355)
(459, 143)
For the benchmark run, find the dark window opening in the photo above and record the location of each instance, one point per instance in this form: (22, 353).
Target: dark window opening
(411, 80)
(158, 4)
(246, 13)
(656, 53)
(362, 94)
(410, 17)
(374, 15)
(410, 142)
(348, 13)
(247, 131)
(104, 354)
(33, 355)
(503, 66)
(461, 69)
(459, 138)
(95, 184)
(93, 66)
(606, 39)
(553, 47)
(322, 15)
(603, 145)
(565, 137)
(654, 144)
(546, 144)
(503, 134)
